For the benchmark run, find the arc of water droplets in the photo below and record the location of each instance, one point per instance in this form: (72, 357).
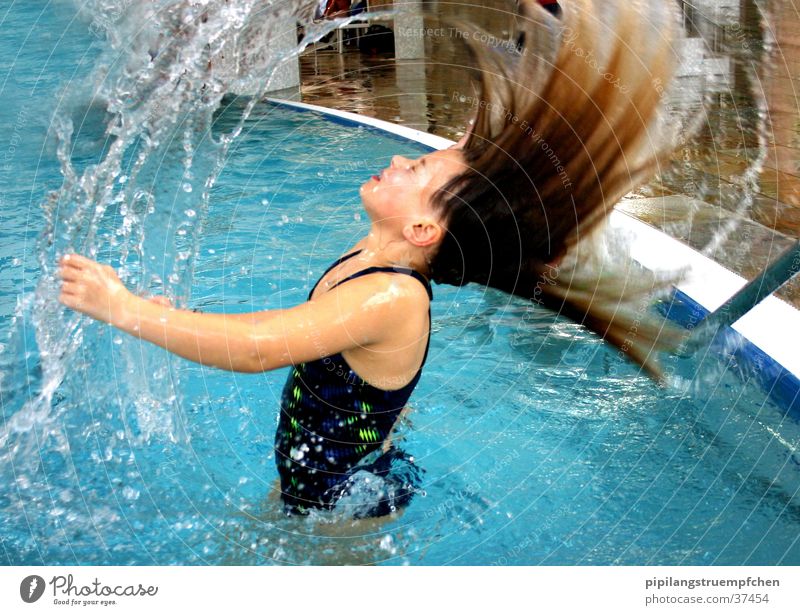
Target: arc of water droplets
(165, 67)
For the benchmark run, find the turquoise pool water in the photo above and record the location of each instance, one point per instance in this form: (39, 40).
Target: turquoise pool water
(538, 446)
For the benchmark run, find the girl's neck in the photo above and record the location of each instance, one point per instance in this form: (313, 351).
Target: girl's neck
(380, 250)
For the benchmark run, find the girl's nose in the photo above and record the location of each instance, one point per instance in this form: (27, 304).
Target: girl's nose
(399, 162)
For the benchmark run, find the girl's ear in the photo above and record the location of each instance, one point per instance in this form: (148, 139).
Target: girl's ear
(463, 140)
(423, 232)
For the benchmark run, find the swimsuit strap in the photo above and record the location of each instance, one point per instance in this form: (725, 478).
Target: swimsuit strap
(405, 270)
(339, 260)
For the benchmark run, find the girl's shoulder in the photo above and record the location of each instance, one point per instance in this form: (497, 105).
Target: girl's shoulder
(398, 284)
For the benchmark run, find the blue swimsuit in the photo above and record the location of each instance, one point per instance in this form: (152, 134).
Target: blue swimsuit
(331, 420)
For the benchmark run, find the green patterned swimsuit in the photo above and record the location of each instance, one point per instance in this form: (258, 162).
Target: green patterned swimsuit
(331, 419)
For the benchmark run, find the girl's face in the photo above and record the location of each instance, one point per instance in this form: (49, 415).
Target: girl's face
(402, 193)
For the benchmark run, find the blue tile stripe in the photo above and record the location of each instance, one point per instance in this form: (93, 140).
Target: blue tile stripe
(746, 359)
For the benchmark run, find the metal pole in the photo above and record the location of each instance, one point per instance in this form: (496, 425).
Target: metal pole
(778, 273)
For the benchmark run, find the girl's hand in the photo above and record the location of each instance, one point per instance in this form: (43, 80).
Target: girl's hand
(93, 289)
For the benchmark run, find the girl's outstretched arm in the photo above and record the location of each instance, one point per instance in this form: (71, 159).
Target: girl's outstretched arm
(334, 322)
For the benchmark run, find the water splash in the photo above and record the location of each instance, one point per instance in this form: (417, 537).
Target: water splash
(138, 160)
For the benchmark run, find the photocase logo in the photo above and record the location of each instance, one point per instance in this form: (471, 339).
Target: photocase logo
(31, 588)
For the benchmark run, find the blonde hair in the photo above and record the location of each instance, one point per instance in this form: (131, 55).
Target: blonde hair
(566, 125)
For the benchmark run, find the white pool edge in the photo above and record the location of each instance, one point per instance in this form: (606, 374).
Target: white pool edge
(403, 131)
(768, 326)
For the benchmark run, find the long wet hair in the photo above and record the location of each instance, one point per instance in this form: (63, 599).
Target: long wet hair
(566, 125)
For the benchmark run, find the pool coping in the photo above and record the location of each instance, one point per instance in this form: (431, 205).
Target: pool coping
(765, 349)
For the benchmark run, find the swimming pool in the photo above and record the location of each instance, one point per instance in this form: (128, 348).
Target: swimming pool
(538, 445)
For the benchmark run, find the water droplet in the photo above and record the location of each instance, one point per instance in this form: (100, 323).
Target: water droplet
(386, 543)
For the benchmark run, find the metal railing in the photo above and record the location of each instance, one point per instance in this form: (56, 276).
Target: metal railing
(771, 278)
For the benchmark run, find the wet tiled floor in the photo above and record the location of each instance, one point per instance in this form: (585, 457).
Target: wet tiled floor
(730, 215)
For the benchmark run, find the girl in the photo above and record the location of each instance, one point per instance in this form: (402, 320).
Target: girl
(555, 143)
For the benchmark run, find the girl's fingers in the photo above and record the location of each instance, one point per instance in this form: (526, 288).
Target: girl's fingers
(68, 299)
(68, 274)
(69, 288)
(70, 267)
(76, 260)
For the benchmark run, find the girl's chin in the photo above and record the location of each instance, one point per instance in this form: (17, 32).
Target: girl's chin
(370, 184)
